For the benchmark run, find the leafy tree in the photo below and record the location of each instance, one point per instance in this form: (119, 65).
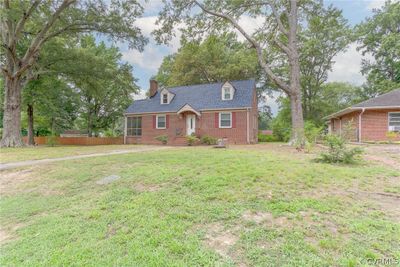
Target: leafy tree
(275, 42)
(52, 102)
(327, 34)
(264, 118)
(216, 59)
(331, 97)
(379, 36)
(26, 26)
(105, 91)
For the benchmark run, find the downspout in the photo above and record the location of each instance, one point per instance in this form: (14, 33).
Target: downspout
(125, 129)
(248, 125)
(360, 125)
(340, 126)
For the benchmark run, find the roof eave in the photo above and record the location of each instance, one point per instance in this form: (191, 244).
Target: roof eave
(351, 109)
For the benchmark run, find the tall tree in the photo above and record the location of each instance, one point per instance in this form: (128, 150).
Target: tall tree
(326, 34)
(33, 23)
(279, 31)
(216, 59)
(106, 87)
(379, 36)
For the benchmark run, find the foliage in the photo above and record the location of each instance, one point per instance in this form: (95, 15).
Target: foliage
(281, 124)
(379, 36)
(51, 140)
(338, 151)
(216, 59)
(267, 138)
(192, 139)
(208, 140)
(392, 135)
(27, 26)
(162, 138)
(312, 131)
(264, 117)
(106, 86)
(327, 34)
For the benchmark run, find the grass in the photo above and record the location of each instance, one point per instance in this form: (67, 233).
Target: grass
(255, 206)
(44, 152)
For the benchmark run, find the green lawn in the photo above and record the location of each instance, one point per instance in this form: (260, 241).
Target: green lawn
(43, 152)
(245, 206)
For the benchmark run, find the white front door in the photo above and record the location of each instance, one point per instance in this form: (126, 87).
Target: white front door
(190, 124)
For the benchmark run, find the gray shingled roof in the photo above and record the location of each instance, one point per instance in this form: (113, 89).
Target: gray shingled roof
(199, 97)
(389, 99)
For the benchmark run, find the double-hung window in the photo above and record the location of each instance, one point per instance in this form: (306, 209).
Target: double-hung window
(161, 122)
(225, 120)
(165, 98)
(134, 126)
(227, 93)
(394, 121)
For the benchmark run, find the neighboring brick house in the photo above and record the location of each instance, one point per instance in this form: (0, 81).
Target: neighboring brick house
(370, 120)
(221, 110)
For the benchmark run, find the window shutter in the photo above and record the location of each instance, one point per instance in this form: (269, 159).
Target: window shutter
(233, 119)
(154, 121)
(167, 121)
(216, 121)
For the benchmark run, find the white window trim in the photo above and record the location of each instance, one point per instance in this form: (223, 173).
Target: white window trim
(157, 116)
(388, 125)
(219, 120)
(231, 92)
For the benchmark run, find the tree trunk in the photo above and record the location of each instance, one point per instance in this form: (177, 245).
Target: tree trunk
(12, 114)
(31, 139)
(297, 138)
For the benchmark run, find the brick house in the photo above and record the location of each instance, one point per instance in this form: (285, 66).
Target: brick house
(220, 110)
(370, 120)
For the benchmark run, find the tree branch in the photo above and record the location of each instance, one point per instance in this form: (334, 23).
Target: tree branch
(279, 82)
(39, 39)
(22, 21)
(278, 19)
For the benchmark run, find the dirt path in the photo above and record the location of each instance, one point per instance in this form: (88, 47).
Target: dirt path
(11, 165)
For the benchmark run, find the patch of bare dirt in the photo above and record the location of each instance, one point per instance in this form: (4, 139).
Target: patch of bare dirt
(9, 234)
(220, 239)
(23, 181)
(388, 155)
(14, 178)
(142, 187)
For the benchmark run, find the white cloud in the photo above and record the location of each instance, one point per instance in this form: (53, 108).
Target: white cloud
(150, 59)
(141, 95)
(375, 4)
(153, 54)
(347, 66)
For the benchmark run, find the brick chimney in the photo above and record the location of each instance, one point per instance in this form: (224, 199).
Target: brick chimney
(153, 88)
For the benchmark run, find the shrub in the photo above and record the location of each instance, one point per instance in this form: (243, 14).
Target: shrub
(51, 140)
(162, 138)
(208, 140)
(338, 152)
(267, 138)
(391, 136)
(312, 132)
(281, 130)
(192, 139)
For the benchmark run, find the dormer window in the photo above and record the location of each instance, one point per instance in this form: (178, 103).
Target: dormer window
(165, 98)
(227, 91)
